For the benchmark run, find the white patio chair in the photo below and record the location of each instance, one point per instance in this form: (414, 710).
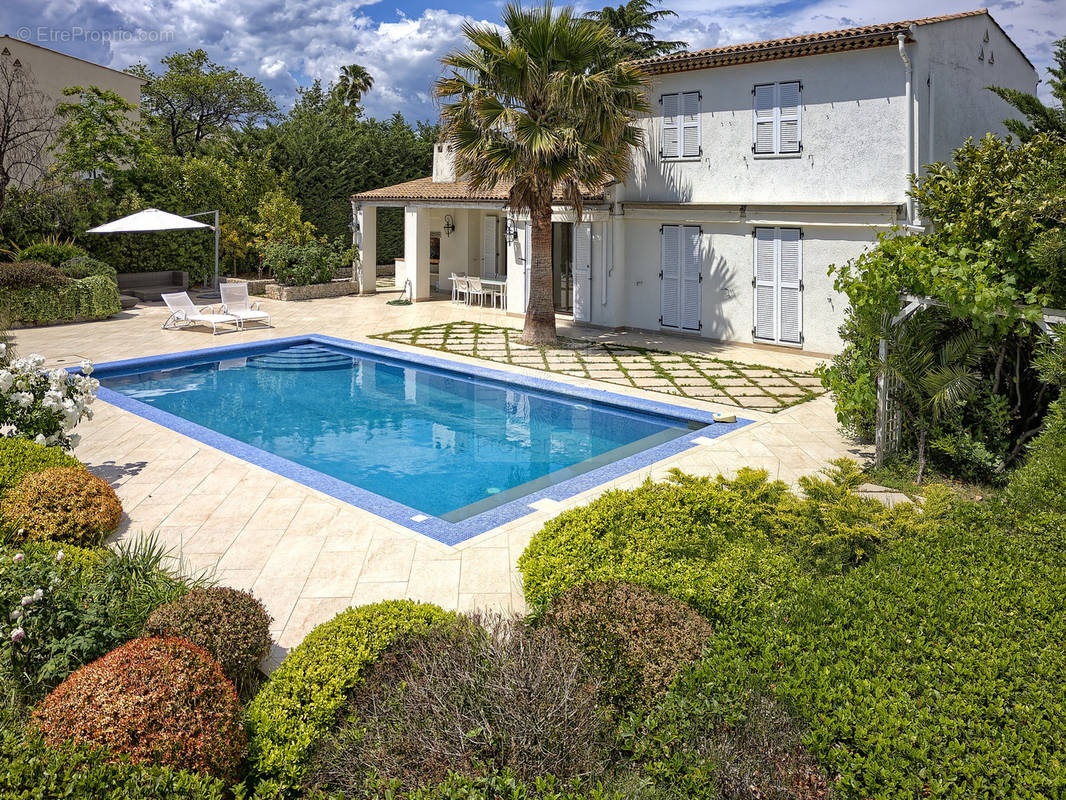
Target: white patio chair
(461, 289)
(495, 291)
(475, 290)
(183, 313)
(235, 301)
(456, 291)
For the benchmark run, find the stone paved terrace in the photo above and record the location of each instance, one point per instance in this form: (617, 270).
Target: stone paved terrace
(307, 555)
(694, 375)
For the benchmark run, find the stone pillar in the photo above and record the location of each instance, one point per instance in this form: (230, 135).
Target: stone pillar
(416, 250)
(366, 217)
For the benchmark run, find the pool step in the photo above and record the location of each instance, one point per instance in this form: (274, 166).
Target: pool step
(302, 358)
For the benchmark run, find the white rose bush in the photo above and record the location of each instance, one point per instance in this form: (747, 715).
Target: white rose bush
(43, 405)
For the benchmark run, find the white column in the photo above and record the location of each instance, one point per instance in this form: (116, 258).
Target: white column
(517, 267)
(416, 250)
(366, 217)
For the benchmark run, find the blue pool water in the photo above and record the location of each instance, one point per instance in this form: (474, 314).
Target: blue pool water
(448, 445)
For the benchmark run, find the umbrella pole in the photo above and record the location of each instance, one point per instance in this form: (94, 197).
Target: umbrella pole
(216, 287)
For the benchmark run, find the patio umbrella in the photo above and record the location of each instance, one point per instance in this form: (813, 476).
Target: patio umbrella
(152, 219)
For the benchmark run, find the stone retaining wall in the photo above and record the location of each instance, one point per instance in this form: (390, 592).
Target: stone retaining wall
(255, 286)
(337, 288)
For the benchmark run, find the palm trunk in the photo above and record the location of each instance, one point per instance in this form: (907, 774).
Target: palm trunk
(922, 434)
(539, 327)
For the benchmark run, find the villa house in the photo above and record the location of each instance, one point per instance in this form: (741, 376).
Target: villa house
(765, 164)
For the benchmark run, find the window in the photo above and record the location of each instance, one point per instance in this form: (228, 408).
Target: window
(778, 283)
(681, 125)
(777, 118)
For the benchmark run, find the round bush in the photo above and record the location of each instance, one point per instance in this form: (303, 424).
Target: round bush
(475, 696)
(31, 275)
(20, 457)
(298, 705)
(54, 253)
(159, 701)
(63, 504)
(229, 624)
(86, 267)
(638, 639)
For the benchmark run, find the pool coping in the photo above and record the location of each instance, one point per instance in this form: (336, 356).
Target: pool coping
(435, 528)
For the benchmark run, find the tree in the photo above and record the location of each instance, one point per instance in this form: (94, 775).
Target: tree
(547, 108)
(353, 83)
(196, 99)
(27, 126)
(931, 370)
(634, 24)
(1040, 118)
(100, 133)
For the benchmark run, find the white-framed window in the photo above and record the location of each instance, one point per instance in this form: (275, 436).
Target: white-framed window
(776, 118)
(680, 137)
(778, 284)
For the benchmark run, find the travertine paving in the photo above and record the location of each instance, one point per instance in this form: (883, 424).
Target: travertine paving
(693, 375)
(307, 555)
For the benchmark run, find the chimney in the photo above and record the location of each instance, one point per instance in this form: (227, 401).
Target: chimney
(443, 162)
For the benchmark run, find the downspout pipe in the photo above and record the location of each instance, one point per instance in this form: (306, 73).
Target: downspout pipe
(908, 94)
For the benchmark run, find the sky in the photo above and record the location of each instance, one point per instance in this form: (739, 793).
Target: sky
(287, 45)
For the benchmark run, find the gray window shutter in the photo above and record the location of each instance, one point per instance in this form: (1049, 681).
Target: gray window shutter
(671, 133)
(765, 284)
(691, 264)
(789, 117)
(671, 277)
(488, 246)
(690, 124)
(764, 108)
(582, 271)
(790, 286)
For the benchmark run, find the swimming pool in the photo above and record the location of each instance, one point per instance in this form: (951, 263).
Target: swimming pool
(443, 448)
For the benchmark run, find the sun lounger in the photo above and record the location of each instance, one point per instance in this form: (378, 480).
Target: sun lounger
(183, 313)
(235, 301)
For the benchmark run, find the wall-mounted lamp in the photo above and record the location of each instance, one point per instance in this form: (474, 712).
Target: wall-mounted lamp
(510, 231)
(449, 225)
(357, 234)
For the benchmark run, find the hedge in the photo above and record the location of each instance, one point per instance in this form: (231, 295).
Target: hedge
(54, 253)
(95, 297)
(34, 771)
(84, 267)
(1039, 485)
(298, 705)
(935, 671)
(20, 457)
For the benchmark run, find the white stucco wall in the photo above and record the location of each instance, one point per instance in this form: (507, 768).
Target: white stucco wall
(853, 128)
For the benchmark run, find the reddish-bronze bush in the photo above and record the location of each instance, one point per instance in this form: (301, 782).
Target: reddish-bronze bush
(62, 504)
(637, 638)
(159, 701)
(229, 624)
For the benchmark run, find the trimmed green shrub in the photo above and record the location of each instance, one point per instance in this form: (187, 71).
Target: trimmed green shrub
(1039, 485)
(302, 264)
(21, 457)
(505, 786)
(31, 275)
(159, 701)
(935, 670)
(62, 504)
(638, 639)
(34, 771)
(85, 267)
(298, 705)
(95, 297)
(229, 624)
(473, 696)
(54, 253)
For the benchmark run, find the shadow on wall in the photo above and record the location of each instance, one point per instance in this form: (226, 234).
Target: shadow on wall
(720, 289)
(659, 180)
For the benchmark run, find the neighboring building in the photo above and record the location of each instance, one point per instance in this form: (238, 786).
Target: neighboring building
(766, 163)
(53, 71)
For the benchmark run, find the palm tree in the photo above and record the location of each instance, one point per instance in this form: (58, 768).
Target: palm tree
(930, 370)
(547, 108)
(353, 82)
(634, 23)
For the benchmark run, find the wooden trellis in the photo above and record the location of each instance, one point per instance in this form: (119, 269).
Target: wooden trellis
(889, 429)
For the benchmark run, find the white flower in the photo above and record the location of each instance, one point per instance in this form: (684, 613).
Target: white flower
(14, 615)
(26, 601)
(17, 635)
(75, 440)
(39, 439)
(6, 380)
(17, 557)
(60, 556)
(38, 594)
(22, 399)
(86, 367)
(3, 349)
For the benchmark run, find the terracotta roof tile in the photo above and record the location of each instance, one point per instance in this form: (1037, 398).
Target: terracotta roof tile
(425, 189)
(793, 46)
